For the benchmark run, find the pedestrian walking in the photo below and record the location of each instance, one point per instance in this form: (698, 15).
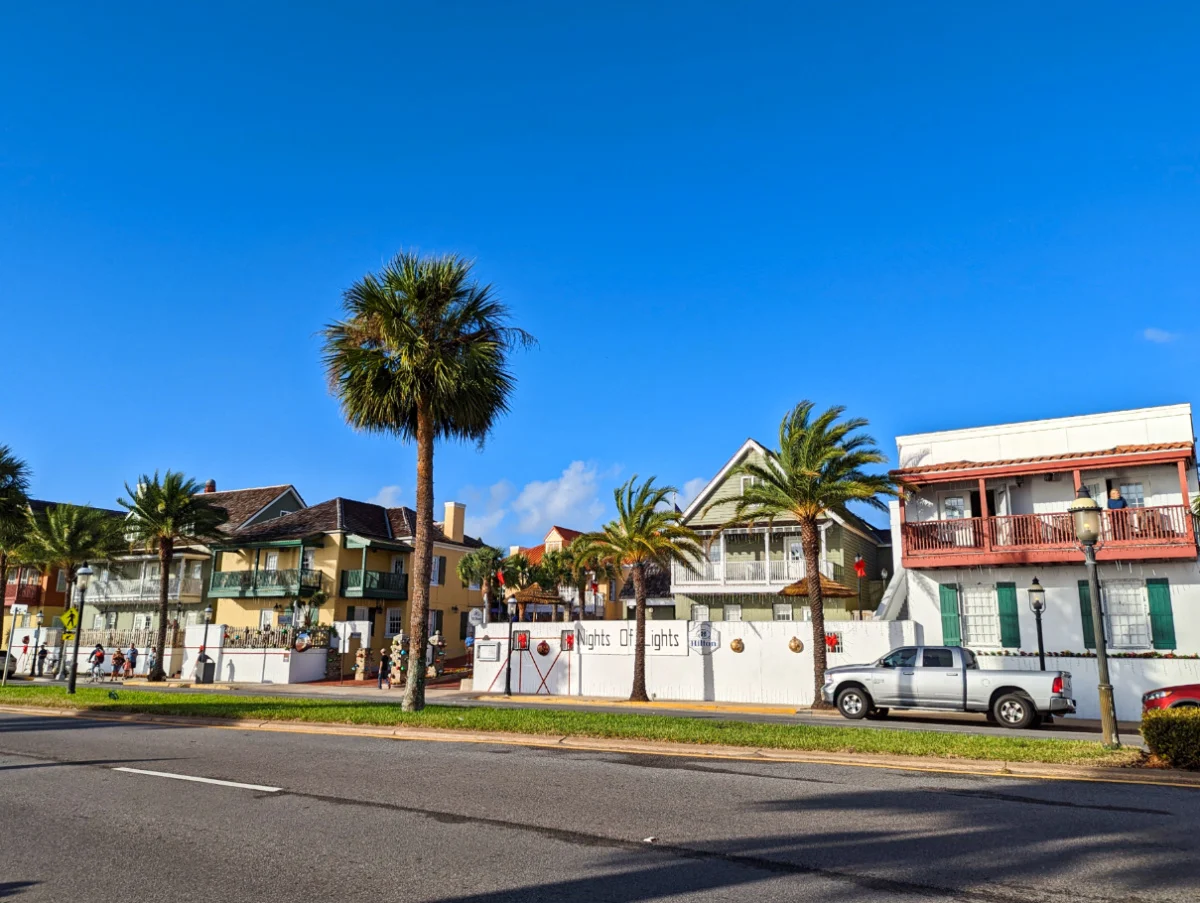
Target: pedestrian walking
(131, 659)
(96, 660)
(151, 660)
(41, 661)
(385, 668)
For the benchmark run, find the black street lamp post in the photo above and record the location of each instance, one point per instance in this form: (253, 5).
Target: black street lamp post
(1037, 604)
(37, 636)
(512, 629)
(83, 577)
(1086, 514)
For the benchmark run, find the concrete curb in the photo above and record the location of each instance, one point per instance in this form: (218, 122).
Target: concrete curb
(977, 767)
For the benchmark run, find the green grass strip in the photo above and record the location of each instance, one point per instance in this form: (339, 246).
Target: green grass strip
(549, 722)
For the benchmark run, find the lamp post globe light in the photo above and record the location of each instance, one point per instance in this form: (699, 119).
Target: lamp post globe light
(1037, 604)
(1085, 513)
(83, 577)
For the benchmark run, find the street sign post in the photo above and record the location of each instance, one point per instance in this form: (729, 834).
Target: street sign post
(70, 620)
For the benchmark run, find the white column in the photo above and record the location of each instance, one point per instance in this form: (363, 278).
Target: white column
(767, 555)
(722, 564)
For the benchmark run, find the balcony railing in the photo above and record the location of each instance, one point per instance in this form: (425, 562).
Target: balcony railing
(275, 637)
(776, 572)
(138, 589)
(23, 594)
(1165, 531)
(359, 584)
(274, 582)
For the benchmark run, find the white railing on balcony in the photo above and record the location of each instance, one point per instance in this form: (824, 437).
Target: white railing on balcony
(777, 571)
(138, 589)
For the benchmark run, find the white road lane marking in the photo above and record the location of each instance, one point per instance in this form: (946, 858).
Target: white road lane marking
(188, 777)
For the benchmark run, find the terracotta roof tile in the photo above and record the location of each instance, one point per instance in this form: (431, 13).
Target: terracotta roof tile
(567, 534)
(535, 553)
(1044, 459)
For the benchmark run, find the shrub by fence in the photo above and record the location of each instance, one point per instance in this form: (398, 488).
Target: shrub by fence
(1174, 736)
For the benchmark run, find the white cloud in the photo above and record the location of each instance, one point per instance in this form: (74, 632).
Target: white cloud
(572, 500)
(1159, 336)
(486, 508)
(690, 490)
(388, 496)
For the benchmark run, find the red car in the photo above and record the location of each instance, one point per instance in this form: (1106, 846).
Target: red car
(1187, 695)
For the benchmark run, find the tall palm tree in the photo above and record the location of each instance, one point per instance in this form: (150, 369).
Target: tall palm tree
(422, 354)
(817, 469)
(163, 514)
(14, 484)
(555, 573)
(66, 536)
(480, 568)
(647, 531)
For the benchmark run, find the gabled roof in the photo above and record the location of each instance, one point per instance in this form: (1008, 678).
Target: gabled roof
(243, 505)
(566, 533)
(697, 504)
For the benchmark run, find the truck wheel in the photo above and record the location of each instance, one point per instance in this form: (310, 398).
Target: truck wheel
(853, 702)
(877, 714)
(1015, 711)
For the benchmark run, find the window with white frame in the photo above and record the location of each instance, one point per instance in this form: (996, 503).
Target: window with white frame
(1127, 614)
(782, 611)
(272, 561)
(104, 620)
(980, 617)
(747, 482)
(266, 619)
(699, 612)
(141, 620)
(192, 618)
(395, 622)
(98, 621)
(954, 507)
(308, 559)
(1134, 495)
(733, 612)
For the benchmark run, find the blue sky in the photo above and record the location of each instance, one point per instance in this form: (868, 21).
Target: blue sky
(937, 215)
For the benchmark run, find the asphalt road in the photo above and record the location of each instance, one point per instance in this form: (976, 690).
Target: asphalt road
(382, 820)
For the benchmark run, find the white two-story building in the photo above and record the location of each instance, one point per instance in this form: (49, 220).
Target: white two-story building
(986, 513)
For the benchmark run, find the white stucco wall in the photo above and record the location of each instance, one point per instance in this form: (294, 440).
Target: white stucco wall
(767, 671)
(268, 666)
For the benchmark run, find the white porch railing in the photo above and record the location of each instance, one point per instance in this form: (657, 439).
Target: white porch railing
(776, 572)
(137, 589)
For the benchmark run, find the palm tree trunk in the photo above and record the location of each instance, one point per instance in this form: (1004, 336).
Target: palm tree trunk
(418, 623)
(68, 599)
(639, 648)
(583, 590)
(811, 541)
(165, 549)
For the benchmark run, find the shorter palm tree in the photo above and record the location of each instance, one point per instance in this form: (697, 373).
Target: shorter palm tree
(163, 514)
(519, 573)
(67, 536)
(817, 469)
(586, 565)
(647, 531)
(481, 568)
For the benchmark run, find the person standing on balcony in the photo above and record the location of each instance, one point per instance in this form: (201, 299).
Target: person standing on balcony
(1119, 522)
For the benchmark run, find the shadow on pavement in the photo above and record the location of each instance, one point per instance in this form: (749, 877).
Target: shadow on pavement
(1016, 844)
(12, 888)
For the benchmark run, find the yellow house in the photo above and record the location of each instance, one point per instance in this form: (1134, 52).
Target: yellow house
(341, 561)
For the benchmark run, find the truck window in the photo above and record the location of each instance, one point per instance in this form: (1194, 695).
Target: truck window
(937, 658)
(969, 661)
(900, 658)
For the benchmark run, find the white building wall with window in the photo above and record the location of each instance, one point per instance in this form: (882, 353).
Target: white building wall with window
(1123, 590)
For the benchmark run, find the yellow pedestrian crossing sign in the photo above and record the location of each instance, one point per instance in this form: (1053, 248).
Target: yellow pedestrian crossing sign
(70, 619)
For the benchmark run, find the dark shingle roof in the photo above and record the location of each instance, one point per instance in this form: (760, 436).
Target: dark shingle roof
(39, 506)
(242, 504)
(343, 515)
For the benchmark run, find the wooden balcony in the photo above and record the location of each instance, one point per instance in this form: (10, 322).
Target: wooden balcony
(23, 594)
(359, 584)
(1129, 534)
(264, 583)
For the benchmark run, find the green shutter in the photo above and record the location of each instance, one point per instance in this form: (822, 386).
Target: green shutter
(1085, 612)
(1010, 621)
(442, 571)
(1162, 621)
(951, 631)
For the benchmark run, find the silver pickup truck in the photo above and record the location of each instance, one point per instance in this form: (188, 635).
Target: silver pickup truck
(946, 678)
